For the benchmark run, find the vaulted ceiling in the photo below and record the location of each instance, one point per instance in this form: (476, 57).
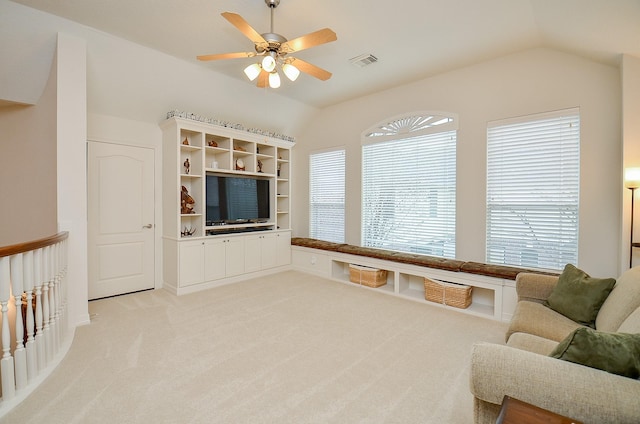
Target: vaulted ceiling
(412, 39)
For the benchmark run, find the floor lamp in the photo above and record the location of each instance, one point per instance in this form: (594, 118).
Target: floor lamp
(632, 182)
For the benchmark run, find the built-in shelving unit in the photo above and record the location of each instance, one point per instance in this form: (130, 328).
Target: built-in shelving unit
(193, 150)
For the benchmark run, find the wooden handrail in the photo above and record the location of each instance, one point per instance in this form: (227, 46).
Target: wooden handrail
(33, 245)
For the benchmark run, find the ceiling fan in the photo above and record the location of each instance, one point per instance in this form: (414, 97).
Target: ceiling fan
(275, 50)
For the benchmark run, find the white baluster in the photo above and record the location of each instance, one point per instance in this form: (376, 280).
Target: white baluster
(55, 301)
(64, 288)
(19, 355)
(46, 262)
(39, 338)
(30, 345)
(59, 293)
(6, 363)
(52, 308)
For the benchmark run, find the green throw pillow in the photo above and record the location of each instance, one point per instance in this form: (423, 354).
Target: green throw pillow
(617, 353)
(579, 296)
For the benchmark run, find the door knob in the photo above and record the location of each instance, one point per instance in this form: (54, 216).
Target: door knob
(148, 226)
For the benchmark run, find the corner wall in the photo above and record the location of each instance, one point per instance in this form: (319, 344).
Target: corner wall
(72, 168)
(630, 72)
(27, 173)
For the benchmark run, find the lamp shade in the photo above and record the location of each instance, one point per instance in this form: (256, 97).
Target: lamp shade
(252, 71)
(290, 71)
(269, 63)
(632, 177)
(274, 80)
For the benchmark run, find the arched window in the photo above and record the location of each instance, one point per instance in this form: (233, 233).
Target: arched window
(409, 184)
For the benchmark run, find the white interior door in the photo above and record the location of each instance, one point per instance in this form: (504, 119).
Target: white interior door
(121, 226)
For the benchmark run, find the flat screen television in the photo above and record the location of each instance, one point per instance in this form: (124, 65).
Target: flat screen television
(236, 199)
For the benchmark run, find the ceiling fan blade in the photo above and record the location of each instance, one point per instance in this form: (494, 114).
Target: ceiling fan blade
(310, 69)
(310, 40)
(244, 27)
(263, 79)
(226, 56)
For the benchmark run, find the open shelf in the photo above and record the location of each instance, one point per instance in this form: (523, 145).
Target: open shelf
(340, 272)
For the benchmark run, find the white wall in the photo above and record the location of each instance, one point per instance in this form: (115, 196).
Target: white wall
(529, 82)
(72, 165)
(630, 70)
(26, 167)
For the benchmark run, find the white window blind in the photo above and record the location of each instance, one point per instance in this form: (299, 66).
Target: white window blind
(326, 195)
(409, 194)
(533, 179)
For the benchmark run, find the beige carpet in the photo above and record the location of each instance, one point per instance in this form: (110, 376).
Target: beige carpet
(288, 348)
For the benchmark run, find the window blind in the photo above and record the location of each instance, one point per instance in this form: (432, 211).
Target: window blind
(533, 179)
(326, 195)
(409, 194)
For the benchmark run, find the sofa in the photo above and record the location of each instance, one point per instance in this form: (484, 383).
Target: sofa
(533, 368)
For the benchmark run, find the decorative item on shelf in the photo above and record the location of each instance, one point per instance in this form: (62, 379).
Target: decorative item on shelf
(632, 182)
(239, 148)
(187, 166)
(185, 142)
(187, 203)
(186, 115)
(259, 165)
(188, 232)
(278, 170)
(240, 165)
(258, 150)
(212, 143)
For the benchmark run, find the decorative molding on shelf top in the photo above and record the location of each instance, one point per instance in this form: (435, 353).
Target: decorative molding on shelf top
(227, 124)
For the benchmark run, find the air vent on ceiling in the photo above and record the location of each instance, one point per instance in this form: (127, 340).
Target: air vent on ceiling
(363, 60)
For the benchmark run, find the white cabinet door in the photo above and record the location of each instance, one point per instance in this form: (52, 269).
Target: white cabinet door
(234, 249)
(191, 263)
(252, 253)
(268, 249)
(260, 252)
(214, 259)
(283, 248)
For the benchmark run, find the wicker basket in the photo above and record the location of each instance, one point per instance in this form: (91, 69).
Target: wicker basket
(451, 294)
(370, 277)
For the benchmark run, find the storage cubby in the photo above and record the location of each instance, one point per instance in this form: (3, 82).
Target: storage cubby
(265, 159)
(340, 271)
(483, 296)
(190, 138)
(411, 286)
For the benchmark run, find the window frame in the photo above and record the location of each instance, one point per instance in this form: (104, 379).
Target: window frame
(552, 226)
(333, 228)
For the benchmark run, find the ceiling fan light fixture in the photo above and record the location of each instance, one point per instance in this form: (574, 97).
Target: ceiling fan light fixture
(269, 62)
(291, 71)
(252, 71)
(274, 79)
(273, 48)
